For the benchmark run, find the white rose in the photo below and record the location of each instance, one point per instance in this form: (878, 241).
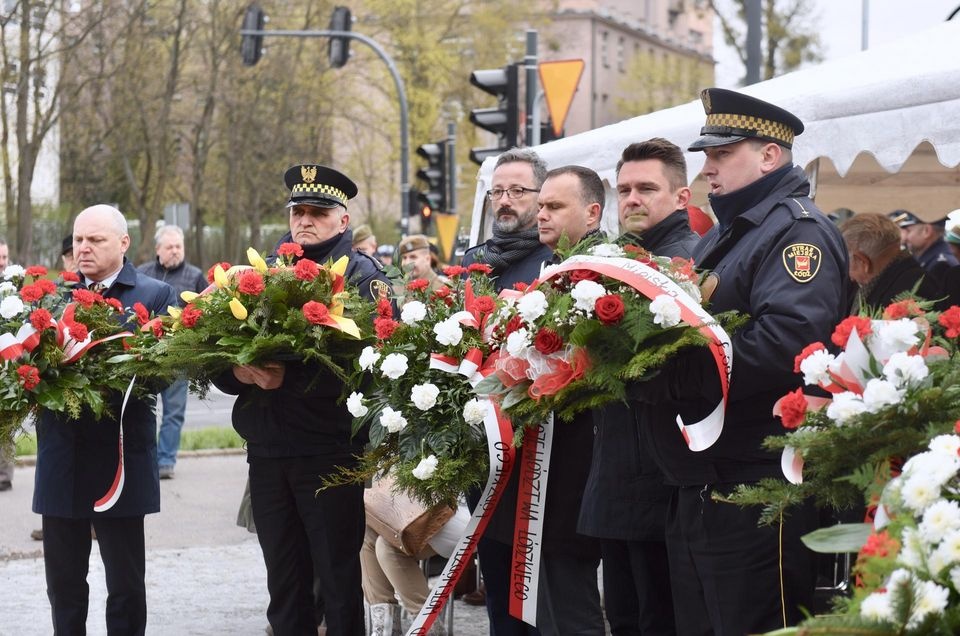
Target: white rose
(394, 366)
(424, 396)
(903, 369)
(881, 393)
(518, 342)
(665, 310)
(532, 305)
(474, 412)
(426, 468)
(448, 332)
(585, 294)
(413, 312)
(355, 405)
(393, 421)
(845, 406)
(368, 357)
(607, 250)
(11, 306)
(12, 271)
(815, 367)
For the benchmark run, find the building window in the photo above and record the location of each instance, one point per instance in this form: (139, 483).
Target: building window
(603, 49)
(696, 37)
(620, 54)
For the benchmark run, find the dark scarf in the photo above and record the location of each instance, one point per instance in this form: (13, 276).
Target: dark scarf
(727, 207)
(504, 249)
(333, 248)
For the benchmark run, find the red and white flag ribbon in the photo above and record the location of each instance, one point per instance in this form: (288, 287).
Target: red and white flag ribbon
(116, 488)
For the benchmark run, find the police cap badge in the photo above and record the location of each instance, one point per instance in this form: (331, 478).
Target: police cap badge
(320, 186)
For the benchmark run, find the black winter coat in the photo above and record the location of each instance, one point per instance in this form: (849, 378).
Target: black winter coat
(900, 276)
(523, 271)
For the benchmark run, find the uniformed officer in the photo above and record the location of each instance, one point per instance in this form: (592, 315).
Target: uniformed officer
(776, 258)
(296, 433)
(926, 242)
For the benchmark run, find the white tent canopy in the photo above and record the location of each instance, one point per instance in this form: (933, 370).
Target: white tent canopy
(883, 101)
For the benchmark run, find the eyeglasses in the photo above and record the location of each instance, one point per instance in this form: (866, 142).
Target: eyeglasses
(515, 192)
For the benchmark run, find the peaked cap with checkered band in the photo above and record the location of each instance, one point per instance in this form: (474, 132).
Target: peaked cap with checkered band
(312, 184)
(733, 117)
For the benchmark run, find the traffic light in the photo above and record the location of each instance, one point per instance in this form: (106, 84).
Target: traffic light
(503, 120)
(338, 51)
(434, 177)
(251, 46)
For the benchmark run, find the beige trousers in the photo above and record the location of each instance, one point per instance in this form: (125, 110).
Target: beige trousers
(389, 573)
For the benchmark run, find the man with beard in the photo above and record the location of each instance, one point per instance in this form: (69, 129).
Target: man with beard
(625, 499)
(297, 432)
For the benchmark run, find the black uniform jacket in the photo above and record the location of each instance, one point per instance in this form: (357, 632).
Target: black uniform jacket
(776, 258)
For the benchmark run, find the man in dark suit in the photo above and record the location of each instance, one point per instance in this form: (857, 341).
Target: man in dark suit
(77, 459)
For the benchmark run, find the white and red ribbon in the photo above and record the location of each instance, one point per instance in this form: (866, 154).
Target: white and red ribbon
(472, 366)
(116, 488)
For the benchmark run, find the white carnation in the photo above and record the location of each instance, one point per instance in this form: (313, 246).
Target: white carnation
(665, 310)
(815, 367)
(393, 421)
(518, 342)
(394, 366)
(11, 306)
(877, 607)
(474, 412)
(930, 599)
(424, 396)
(426, 467)
(941, 518)
(894, 336)
(607, 250)
(413, 312)
(845, 406)
(448, 332)
(881, 393)
(355, 405)
(585, 295)
(532, 305)
(945, 444)
(903, 369)
(368, 357)
(6, 288)
(12, 271)
(933, 467)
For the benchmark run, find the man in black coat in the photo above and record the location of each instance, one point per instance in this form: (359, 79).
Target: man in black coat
(625, 499)
(297, 433)
(776, 258)
(77, 459)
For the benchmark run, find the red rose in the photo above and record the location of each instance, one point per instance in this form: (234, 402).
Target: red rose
(806, 353)
(79, 331)
(85, 297)
(29, 376)
(384, 308)
(609, 309)
(224, 266)
(563, 374)
(40, 319)
(903, 309)
(520, 287)
(515, 323)
(793, 408)
(578, 275)
(190, 315)
(861, 323)
(289, 249)
(305, 269)
(316, 313)
(31, 293)
(385, 327)
(479, 267)
(417, 284)
(70, 277)
(511, 371)
(453, 271)
(36, 271)
(547, 341)
(484, 304)
(950, 319)
(250, 282)
(142, 314)
(113, 302)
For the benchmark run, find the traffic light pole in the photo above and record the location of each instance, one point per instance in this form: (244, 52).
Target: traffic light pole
(532, 88)
(401, 96)
(451, 168)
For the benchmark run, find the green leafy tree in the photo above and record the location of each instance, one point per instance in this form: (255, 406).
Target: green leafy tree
(654, 82)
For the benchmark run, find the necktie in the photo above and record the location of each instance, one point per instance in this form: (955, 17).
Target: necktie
(98, 288)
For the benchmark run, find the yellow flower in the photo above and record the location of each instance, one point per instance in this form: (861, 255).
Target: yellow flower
(220, 277)
(238, 310)
(174, 312)
(256, 260)
(340, 267)
(189, 296)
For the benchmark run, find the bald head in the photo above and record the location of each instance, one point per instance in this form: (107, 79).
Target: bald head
(99, 241)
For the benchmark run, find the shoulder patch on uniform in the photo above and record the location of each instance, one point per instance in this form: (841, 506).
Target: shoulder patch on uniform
(802, 261)
(379, 289)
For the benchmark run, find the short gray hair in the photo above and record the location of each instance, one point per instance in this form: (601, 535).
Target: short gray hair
(163, 230)
(525, 155)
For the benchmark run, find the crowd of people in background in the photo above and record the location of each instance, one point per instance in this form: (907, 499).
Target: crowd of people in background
(629, 494)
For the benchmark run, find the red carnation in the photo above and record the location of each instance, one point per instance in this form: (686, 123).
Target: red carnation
(224, 266)
(70, 277)
(250, 282)
(85, 297)
(609, 309)
(652, 264)
(578, 275)
(47, 286)
(36, 271)
(479, 267)
(142, 314)
(879, 544)
(442, 292)
(40, 319)
(793, 408)
(384, 308)
(316, 313)
(290, 249)
(79, 331)
(521, 286)
(809, 350)
(547, 341)
(157, 328)
(956, 427)
(29, 376)
(305, 269)
(484, 304)
(903, 309)
(515, 323)
(683, 267)
(190, 315)
(385, 327)
(113, 302)
(950, 319)
(417, 284)
(31, 293)
(861, 323)
(453, 271)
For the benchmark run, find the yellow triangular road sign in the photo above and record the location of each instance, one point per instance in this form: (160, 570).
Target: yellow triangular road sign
(559, 80)
(447, 225)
